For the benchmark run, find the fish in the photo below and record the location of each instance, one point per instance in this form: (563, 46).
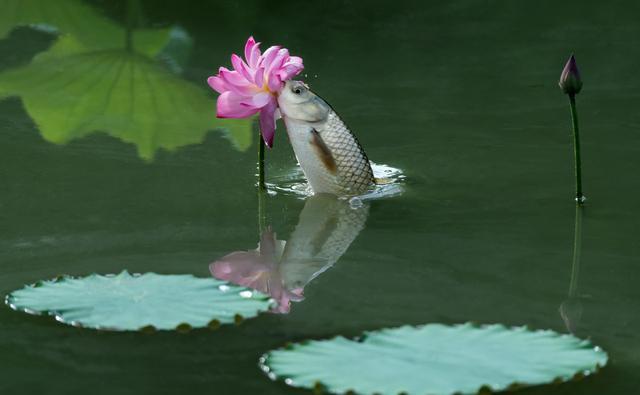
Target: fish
(329, 154)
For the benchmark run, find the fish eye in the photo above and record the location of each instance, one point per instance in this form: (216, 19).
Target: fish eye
(297, 89)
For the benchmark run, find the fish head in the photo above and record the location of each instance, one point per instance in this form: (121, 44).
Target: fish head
(298, 102)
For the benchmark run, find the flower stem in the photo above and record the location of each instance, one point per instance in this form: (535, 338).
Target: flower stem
(576, 149)
(132, 18)
(577, 246)
(262, 188)
(261, 184)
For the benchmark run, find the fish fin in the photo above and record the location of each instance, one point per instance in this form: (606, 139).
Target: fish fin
(383, 181)
(323, 152)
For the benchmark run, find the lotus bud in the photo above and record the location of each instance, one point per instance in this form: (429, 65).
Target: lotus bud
(570, 81)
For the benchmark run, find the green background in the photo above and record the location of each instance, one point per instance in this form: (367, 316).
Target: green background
(460, 95)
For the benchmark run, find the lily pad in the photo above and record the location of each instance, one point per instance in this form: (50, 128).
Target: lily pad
(123, 94)
(88, 82)
(137, 302)
(435, 359)
(92, 30)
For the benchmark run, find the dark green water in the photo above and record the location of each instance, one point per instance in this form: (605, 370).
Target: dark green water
(460, 95)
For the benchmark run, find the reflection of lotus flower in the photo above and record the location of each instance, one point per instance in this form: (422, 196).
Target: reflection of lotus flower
(258, 269)
(254, 83)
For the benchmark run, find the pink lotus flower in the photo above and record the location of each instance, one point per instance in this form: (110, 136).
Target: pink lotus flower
(254, 83)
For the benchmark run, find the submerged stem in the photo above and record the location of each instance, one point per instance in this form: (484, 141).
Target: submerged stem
(576, 149)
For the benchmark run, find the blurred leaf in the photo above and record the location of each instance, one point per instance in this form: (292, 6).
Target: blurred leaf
(123, 94)
(132, 302)
(177, 50)
(72, 17)
(435, 359)
(86, 82)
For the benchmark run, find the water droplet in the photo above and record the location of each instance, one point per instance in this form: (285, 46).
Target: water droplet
(246, 294)
(355, 202)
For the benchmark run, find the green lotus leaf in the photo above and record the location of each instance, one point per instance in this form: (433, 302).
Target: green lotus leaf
(123, 94)
(134, 302)
(435, 359)
(74, 18)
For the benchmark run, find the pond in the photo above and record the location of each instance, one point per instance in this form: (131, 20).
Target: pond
(108, 162)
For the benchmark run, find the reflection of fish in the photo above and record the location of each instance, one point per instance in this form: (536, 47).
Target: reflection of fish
(330, 155)
(326, 228)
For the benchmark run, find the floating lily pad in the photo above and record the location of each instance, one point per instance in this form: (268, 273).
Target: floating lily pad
(133, 302)
(435, 359)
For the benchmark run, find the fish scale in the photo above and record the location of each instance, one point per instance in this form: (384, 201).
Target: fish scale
(354, 174)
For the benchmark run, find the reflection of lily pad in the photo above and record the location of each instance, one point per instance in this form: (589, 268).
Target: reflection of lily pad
(132, 302)
(435, 359)
(123, 94)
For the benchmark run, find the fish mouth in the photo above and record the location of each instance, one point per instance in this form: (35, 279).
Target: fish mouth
(284, 114)
(312, 110)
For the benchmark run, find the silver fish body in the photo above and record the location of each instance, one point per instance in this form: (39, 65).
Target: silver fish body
(328, 152)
